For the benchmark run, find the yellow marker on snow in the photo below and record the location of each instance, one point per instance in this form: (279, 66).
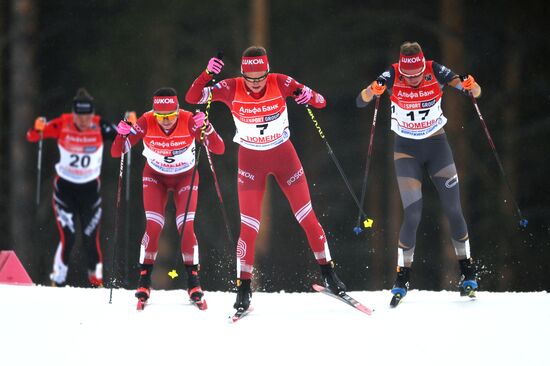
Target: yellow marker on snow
(173, 274)
(368, 222)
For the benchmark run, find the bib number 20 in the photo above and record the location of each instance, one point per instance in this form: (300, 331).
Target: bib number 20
(80, 161)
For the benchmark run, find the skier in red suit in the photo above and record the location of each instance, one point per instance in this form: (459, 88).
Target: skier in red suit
(77, 184)
(257, 103)
(169, 136)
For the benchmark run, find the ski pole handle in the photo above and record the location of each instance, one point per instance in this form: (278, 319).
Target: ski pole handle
(381, 81)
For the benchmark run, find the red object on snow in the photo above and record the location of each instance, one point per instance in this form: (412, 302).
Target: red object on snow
(11, 270)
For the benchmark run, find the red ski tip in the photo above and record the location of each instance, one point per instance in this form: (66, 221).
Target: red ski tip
(140, 305)
(202, 305)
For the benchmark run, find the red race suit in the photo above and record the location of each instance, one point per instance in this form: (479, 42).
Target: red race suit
(262, 131)
(170, 159)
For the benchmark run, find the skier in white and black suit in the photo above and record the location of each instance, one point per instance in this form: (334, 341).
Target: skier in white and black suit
(77, 184)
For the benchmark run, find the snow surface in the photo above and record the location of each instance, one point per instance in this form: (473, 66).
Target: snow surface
(75, 326)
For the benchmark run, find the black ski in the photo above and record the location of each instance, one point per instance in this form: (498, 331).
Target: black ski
(395, 300)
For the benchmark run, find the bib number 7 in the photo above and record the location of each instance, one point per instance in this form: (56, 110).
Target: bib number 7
(262, 128)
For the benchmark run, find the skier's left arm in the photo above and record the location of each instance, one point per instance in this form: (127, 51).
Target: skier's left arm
(446, 76)
(288, 87)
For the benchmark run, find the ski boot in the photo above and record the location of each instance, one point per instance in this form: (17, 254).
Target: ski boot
(59, 270)
(244, 295)
(144, 285)
(59, 275)
(400, 286)
(95, 277)
(194, 286)
(468, 281)
(331, 280)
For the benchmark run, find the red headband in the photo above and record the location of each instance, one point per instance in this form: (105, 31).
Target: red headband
(411, 63)
(165, 103)
(256, 63)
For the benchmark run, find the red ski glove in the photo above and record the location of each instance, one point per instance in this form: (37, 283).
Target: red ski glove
(124, 128)
(198, 123)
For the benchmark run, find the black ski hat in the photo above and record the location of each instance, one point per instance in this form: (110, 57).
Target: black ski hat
(83, 102)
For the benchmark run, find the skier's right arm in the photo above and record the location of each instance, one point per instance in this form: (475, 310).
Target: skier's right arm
(44, 129)
(376, 88)
(129, 135)
(198, 93)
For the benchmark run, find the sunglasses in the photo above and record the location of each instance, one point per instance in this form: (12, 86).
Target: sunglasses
(256, 80)
(162, 116)
(412, 76)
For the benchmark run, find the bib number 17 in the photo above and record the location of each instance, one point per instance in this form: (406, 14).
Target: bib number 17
(424, 113)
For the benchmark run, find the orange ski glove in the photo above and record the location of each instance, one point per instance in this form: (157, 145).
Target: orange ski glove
(469, 83)
(377, 88)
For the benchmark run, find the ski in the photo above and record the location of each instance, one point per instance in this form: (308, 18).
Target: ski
(196, 297)
(239, 314)
(344, 297)
(141, 304)
(468, 291)
(201, 304)
(395, 300)
(142, 295)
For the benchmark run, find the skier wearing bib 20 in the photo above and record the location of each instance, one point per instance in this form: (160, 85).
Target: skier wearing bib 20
(168, 133)
(257, 103)
(77, 185)
(415, 87)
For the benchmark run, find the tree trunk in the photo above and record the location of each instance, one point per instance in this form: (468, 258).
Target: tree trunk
(23, 98)
(4, 133)
(452, 51)
(508, 147)
(259, 24)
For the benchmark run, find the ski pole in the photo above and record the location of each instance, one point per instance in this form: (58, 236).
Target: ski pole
(117, 213)
(131, 117)
(220, 199)
(211, 164)
(209, 101)
(334, 158)
(173, 273)
(522, 222)
(357, 229)
(39, 168)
